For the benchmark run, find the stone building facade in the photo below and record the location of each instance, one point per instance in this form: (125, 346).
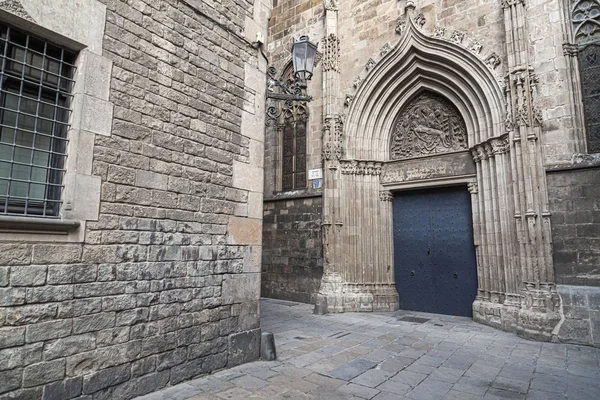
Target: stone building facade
(131, 185)
(497, 100)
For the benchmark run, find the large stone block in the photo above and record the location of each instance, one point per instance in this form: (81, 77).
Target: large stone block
(106, 378)
(44, 372)
(243, 347)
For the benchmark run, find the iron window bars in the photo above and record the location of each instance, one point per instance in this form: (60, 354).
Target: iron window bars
(35, 94)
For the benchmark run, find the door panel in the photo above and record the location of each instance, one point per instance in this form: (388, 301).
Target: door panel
(433, 236)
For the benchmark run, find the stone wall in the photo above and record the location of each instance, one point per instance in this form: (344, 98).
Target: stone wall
(292, 262)
(575, 206)
(163, 284)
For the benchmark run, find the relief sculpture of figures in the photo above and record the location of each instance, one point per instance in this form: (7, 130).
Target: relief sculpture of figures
(429, 125)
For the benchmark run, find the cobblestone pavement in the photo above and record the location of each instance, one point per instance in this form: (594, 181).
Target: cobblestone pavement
(401, 355)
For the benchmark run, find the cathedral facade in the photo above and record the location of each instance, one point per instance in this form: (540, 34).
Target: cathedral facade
(448, 162)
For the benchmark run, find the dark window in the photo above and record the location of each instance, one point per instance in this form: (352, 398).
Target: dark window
(589, 70)
(294, 152)
(36, 82)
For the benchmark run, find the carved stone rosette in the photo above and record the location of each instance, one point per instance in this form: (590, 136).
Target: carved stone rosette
(428, 125)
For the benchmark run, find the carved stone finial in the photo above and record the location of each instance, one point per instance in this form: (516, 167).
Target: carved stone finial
(357, 81)
(330, 5)
(439, 31)
(457, 36)
(370, 64)
(385, 49)
(410, 5)
(475, 46)
(420, 20)
(493, 60)
(348, 101)
(400, 26)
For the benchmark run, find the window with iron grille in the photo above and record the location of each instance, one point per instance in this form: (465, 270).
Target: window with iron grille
(36, 81)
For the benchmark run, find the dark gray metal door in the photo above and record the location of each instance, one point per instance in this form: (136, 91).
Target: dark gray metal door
(434, 255)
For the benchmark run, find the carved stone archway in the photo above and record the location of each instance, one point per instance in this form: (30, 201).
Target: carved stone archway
(498, 158)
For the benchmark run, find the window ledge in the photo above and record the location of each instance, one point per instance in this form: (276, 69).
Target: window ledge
(33, 224)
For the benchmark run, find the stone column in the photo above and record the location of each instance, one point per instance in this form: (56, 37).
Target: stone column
(539, 301)
(330, 293)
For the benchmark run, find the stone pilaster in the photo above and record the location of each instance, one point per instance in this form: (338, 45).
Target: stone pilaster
(538, 314)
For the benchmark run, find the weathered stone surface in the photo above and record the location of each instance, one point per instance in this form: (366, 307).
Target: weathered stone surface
(48, 330)
(10, 380)
(68, 346)
(63, 390)
(20, 356)
(44, 372)
(243, 347)
(28, 275)
(94, 322)
(106, 378)
(12, 336)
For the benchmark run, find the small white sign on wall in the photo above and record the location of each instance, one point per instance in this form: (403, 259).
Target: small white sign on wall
(315, 174)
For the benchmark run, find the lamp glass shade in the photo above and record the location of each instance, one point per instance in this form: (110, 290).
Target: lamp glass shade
(303, 57)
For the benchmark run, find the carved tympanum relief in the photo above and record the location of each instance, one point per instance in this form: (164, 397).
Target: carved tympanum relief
(428, 125)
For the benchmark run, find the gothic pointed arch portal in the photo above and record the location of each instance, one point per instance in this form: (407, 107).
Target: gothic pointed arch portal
(430, 113)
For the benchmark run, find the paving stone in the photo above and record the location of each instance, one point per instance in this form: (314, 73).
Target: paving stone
(457, 395)
(352, 369)
(396, 387)
(475, 386)
(514, 385)
(499, 394)
(444, 374)
(359, 391)
(373, 377)
(249, 382)
(409, 378)
(430, 389)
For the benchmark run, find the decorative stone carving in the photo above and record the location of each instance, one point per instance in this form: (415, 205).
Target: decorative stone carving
(370, 64)
(400, 26)
(15, 7)
(475, 46)
(500, 145)
(332, 138)
(354, 167)
(439, 32)
(348, 101)
(420, 20)
(493, 60)
(428, 125)
(318, 58)
(330, 5)
(510, 3)
(570, 50)
(585, 17)
(385, 195)
(357, 81)
(457, 37)
(472, 187)
(385, 49)
(331, 58)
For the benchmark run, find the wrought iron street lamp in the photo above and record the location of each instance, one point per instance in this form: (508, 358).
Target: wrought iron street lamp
(303, 59)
